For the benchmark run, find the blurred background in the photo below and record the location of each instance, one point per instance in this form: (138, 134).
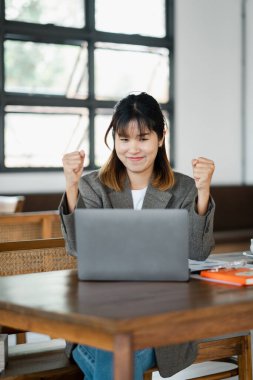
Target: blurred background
(63, 66)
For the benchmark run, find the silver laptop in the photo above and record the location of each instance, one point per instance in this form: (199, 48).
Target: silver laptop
(132, 245)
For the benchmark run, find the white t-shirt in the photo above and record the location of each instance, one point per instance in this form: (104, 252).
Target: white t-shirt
(138, 198)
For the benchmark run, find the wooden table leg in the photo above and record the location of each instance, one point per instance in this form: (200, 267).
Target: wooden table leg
(123, 357)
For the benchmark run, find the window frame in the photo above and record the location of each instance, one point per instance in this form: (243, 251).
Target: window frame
(24, 31)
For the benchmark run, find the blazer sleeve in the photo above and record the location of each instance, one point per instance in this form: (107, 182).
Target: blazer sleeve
(87, 198)
(201, 238)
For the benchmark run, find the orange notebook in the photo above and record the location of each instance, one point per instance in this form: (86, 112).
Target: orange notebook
(235, 276)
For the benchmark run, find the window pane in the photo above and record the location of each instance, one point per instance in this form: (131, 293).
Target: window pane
(39, 68)
(131, 17)
(39, 136)
(62, 13)
(102, 121)
(134, 68)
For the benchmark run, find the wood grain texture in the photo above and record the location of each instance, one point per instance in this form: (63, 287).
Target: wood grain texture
(146, 314)
(58, 304)
(31, 244)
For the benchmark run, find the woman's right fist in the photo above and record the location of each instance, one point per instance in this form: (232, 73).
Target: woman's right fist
(73, 167)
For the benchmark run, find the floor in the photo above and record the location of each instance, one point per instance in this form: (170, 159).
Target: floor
(192, 371)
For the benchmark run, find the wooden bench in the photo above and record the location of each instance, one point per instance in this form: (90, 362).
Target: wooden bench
(233, 224)
(29, 226)
(233, 221)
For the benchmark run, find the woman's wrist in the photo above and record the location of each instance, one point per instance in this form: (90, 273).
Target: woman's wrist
(203, 201)
(72, 195)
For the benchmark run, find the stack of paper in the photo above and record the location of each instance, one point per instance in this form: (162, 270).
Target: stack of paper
(197, 266)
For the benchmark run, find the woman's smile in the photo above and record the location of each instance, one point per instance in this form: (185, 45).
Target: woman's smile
(135, 159)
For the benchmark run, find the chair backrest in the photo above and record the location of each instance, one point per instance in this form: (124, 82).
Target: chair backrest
(234, 350)
(29, 226)
(10, 204)
(34, 256)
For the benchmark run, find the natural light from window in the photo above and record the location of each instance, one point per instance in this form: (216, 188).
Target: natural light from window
(61, 70)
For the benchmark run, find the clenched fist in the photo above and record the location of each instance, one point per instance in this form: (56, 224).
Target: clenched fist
(203, 169)
(202, 173)
(73, 169)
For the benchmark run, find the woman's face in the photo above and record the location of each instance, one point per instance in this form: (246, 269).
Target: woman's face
(137, 151)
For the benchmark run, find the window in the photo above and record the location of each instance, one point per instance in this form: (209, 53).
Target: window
(64, 65)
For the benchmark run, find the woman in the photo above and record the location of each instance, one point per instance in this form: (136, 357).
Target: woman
(138, 175)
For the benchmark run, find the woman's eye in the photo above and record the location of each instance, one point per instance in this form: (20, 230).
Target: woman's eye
(143, 139)
(123, 139)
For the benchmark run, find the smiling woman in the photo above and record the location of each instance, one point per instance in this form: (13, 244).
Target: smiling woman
(138, 175)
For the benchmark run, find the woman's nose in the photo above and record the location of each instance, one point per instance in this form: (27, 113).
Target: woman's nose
(134, 146)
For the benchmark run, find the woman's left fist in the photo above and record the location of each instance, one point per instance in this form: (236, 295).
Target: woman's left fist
(203, 169)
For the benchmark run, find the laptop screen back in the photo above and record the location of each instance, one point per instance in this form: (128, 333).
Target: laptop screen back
(132, 245)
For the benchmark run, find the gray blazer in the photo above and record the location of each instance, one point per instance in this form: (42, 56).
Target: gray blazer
(92, 194)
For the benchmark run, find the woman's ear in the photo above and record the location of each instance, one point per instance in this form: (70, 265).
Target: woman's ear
(162, 139)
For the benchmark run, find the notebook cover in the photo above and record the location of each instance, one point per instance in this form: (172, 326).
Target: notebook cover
(236, 276)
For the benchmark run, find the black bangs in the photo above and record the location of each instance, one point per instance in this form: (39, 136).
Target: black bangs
(142, 109)
(122, 126)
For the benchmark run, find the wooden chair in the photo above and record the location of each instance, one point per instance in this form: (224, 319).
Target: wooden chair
(10, 204)
(234, 350)
(20, 257)
(29, 226)
(31, 256)
(43, 360)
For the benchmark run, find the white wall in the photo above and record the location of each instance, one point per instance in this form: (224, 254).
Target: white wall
(208, 86)
(208, 83)
(25, 183)
(249, 92)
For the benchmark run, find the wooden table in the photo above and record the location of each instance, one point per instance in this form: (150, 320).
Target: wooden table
(121, 316)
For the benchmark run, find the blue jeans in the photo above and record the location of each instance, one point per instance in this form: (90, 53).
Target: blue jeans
(98, 364)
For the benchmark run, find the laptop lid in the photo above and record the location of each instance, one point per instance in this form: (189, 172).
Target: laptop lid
(132, 245)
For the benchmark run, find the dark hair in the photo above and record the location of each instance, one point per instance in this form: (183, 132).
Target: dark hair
(145, 110)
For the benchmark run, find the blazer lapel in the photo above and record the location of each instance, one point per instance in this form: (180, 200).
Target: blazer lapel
(155, 198)
(121, 199)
